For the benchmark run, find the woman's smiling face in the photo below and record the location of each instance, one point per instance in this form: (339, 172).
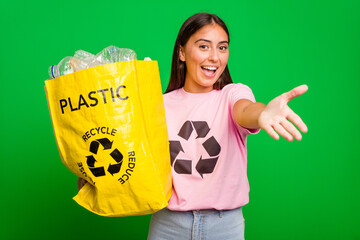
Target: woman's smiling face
(205, 54)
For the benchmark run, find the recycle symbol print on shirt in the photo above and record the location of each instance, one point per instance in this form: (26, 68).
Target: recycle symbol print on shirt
(114, 155)
(207, 161)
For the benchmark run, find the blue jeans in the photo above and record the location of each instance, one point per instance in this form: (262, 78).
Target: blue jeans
(197, 225)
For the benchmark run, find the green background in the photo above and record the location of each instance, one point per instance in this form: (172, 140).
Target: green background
(299, 190)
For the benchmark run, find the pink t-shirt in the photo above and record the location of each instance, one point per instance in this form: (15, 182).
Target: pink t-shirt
(208, 149)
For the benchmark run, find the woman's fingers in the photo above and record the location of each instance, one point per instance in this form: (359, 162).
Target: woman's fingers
(278, 119)
(295, 92)
(271, 132)
(283, 128)
(291, 129)
(294, 118)
(281, 131)
(276, 130)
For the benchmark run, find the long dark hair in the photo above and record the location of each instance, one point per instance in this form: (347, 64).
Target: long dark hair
(178, 68)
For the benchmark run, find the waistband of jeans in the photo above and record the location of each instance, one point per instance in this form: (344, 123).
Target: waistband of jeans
(210, 210)
(202, 212)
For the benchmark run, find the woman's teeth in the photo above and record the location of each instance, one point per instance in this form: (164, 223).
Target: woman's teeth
(210, 68)
(209, 71)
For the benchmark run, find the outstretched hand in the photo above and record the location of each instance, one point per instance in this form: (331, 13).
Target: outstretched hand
(277, 117)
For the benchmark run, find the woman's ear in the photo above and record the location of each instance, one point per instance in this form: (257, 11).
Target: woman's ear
(181, 54)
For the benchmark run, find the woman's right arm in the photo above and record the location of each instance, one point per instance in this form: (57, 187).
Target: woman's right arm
(275, 117)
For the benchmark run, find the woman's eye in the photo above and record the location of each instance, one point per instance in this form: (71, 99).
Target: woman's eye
(223, 48)
(203, 47)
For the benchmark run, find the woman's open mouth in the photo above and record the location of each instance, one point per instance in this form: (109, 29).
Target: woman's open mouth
(209, 71)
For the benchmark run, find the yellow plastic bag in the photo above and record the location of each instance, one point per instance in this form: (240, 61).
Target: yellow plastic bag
(109, 125)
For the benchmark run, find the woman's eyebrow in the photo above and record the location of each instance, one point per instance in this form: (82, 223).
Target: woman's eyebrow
(206, 40)
(201, 39)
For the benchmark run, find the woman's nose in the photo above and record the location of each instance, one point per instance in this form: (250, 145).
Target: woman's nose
(213, 55)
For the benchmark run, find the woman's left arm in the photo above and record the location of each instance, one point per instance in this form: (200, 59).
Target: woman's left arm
(275, 117)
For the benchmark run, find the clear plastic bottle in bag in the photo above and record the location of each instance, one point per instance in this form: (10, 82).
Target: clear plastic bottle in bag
(64, 67)
(114, 54)
(83, 60)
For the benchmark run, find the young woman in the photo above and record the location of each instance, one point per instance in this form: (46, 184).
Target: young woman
(208, 120)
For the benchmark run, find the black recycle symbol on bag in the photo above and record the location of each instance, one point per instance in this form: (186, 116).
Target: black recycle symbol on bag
(115, 154)
(212, 147)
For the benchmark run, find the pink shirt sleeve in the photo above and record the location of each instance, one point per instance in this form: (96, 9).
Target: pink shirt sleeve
(236, 92)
